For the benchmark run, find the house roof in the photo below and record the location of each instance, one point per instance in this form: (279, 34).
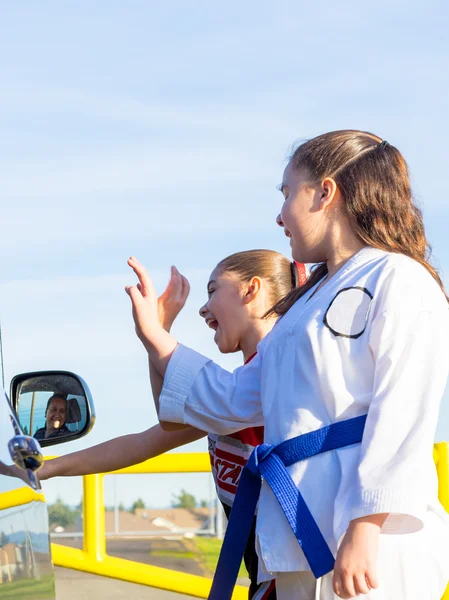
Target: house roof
(164, 519)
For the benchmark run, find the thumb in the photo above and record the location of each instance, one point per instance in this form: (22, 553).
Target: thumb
(185, 287)
(135, 295)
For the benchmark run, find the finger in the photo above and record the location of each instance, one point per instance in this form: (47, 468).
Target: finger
(360, 584)
(172, 287)
(136, 297)
(348, 590)
(337, 585)
(371, 578)
(177, 280)
(142, 275)
(185, 287)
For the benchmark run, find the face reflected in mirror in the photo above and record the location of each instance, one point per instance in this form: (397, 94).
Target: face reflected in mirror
(52, 407)
(55, 418)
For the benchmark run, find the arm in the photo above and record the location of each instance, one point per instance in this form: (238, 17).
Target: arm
(196, 391)
(158, 343)
(119, 453)
(396, 480)
(395, 473)
(135, 448)
(170, 304)
(200, 393)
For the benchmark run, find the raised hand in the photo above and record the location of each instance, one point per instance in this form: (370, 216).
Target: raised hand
(144, 301)
(172, 301)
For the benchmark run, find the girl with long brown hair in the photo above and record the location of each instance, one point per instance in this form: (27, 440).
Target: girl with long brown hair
(348, 385)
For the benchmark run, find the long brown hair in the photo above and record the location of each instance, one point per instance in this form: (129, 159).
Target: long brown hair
(279, 273)
(374, 182)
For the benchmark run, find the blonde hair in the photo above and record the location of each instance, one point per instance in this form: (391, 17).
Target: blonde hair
(279, 272)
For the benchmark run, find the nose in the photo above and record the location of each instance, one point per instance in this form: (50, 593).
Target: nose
(203, 311)
(279, 220)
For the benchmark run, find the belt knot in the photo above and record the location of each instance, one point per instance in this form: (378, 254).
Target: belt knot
(258, 455)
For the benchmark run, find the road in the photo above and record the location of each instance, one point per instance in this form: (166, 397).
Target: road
(76, 585)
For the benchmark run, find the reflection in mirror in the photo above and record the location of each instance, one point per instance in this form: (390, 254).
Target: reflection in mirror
(52, 406)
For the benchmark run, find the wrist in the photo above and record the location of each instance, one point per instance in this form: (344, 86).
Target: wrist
(167, 324)
(376, 520)
(44, 471)
(160, 347)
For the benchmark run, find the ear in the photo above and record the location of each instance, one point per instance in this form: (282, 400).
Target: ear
(251, 290)
(329, 193)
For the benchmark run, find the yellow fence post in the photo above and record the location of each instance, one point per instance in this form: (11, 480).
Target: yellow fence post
(442, 462)
(441, 455)
(94, 517)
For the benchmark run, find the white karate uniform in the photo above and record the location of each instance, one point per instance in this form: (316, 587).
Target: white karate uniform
(374, 339)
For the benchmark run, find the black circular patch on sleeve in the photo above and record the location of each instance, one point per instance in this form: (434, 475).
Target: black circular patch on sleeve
(347, 314)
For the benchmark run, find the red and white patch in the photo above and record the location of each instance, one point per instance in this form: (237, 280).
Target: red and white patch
(228, 456)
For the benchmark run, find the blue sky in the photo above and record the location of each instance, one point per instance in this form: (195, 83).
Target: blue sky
(161, 130)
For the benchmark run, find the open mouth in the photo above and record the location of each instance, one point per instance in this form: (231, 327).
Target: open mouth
(212, 323)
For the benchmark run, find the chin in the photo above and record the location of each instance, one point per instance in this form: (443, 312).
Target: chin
(307, 257)
(227, 348)
(224, 349)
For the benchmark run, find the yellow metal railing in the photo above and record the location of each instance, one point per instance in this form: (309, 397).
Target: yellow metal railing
(441, 456)
(93, 557)
(19, 497)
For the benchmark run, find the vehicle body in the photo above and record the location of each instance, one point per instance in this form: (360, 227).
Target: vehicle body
(26, 568)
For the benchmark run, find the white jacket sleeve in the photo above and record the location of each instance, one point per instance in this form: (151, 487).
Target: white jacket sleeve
(198, 392)
(409, 342)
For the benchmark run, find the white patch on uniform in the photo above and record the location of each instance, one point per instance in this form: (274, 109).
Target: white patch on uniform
(348, 312)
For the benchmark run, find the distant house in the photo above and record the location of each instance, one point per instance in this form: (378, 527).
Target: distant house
(10, 559)
(163, 520)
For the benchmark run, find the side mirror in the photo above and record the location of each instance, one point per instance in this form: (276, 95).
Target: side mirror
(53, 406)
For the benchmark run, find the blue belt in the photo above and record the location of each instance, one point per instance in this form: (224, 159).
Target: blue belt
(270, 462)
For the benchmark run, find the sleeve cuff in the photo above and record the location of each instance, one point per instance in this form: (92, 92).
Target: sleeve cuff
(405, 508)
(182, 370)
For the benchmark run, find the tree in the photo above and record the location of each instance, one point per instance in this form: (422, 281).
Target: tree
(61, 514)
(203, 503)
(120, 507)
(184, 500)
(139, 503)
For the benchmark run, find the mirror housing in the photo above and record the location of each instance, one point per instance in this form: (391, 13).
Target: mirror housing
(53, 406)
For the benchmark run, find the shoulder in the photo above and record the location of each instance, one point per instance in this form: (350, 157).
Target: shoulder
(61, 431)
(402, 283)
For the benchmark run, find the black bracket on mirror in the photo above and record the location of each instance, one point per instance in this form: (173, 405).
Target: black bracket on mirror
(45, 381)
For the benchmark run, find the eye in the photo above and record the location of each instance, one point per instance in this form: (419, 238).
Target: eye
(210, 291)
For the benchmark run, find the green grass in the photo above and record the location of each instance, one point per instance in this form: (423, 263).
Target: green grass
(209, 551)
(203, 550)
(175, 554)
(28, 589)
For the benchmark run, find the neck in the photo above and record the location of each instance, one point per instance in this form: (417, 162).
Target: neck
(259, 329)
(342, 246)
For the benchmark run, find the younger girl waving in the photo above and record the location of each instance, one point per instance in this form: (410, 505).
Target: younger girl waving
(240, 290)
